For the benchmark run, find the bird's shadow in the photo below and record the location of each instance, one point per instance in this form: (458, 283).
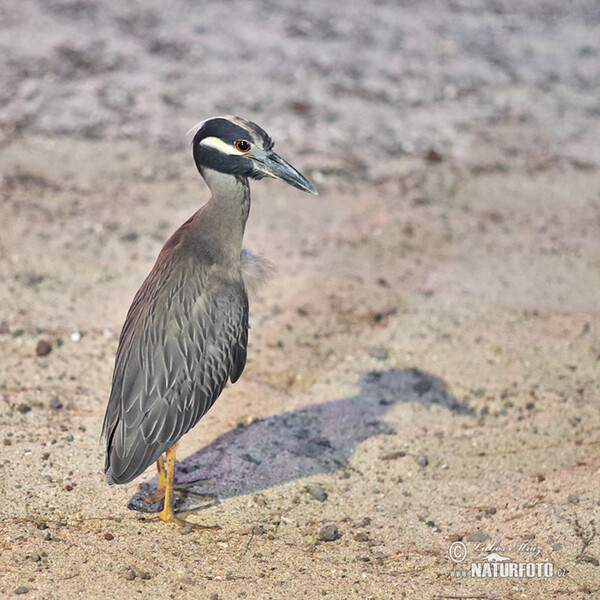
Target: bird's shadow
(316, 439)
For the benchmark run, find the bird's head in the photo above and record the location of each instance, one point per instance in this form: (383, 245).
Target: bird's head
(235, 146)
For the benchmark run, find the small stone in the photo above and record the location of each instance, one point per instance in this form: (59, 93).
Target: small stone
(214, 596)
(259, 530)
(317, 492)
(379, 555)
(69, 438)
(573, 499)
(455, 537)
(21, 590)
(329, 533)
(421, 459)
(145, 575)
(42, 525)
(433, 156)
(540, 477)
(48, 537)
(43, 348)
(69, 487)
(129, 575)
(23, 408)
(394, 455)
(590, 559)
(361, 537)
(109, 536)
(478, 536)
(35, 557)
(378, 353)
(55, 403)
(7, 441)
(45, 455)
(365, 522)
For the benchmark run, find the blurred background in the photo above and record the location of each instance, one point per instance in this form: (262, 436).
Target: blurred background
(454, 247)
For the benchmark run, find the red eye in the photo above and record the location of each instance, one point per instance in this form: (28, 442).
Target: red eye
(242, 145)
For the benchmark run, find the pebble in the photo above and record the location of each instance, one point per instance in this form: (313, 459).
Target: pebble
(421, 459)
(455, 537)
(69, 438)
(317, 492)
(21, 590)
(329, 533)
(590, 559)
(378, 353)
(573, 499)
(129, 575)
(55, 403)
(145, 575)
(394, 455)
(478, 536)
(35, 557)
(42, 525)
(23, 408)
(109, 536)
(362, 537)
(43, 348)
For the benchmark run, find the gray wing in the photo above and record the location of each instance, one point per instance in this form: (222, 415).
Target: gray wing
(185, 335)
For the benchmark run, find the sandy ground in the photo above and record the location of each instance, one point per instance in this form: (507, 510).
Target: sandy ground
(423, 371)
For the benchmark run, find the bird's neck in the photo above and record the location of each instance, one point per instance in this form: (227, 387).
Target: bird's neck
(227, 210)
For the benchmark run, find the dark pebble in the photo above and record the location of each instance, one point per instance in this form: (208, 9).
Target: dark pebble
(23, 408)
(69, 438)
(43, 348)
(45, 455)
(433, 156)
(214, 596)
(55, 403)
(21, 590)
(394, 455)
(7, 442)
(42, 525)
(145, 575)
(35, 557)
(365, 522)
(590, 559)
(109, 536)
(421, 459)
(317, 492)
(329, 533)
(455, 537)
(129, 575)
(259, 530)
(361, 537)
(573, 499)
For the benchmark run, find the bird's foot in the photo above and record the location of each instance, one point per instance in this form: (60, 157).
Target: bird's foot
(183, 490)
(168, 515)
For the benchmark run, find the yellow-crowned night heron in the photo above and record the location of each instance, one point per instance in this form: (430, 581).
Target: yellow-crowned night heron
(186, 332)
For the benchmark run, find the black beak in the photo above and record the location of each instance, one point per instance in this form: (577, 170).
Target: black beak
(275, 166)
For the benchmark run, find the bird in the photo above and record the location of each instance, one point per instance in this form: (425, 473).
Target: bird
(186, 333)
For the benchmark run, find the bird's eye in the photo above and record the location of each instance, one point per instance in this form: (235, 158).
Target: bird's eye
(242, 145)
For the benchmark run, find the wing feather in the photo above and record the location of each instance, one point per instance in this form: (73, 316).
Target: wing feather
(185, 335)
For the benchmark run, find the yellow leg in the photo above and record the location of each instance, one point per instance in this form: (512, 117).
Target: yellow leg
(168, 514)
(179, 489)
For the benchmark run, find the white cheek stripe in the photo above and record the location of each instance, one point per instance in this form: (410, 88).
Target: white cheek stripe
(221, 146)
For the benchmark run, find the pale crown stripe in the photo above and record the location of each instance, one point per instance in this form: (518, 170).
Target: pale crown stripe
(220, 145)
